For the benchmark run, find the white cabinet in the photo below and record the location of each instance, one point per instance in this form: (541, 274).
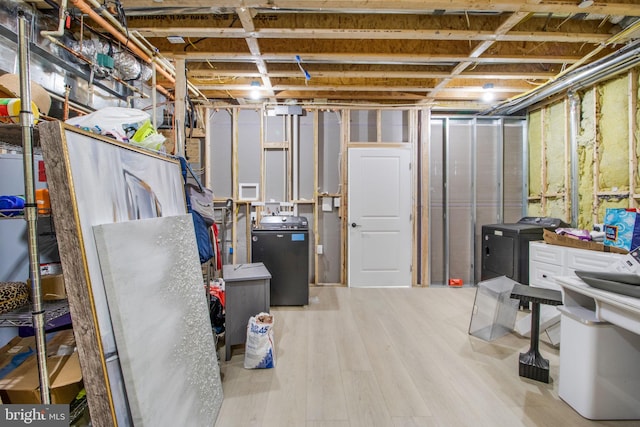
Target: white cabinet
(548, 261)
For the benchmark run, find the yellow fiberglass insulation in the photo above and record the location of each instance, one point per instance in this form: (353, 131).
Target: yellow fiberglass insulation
(535, 155)
(555, 141)
(637, 129)
(555, 208)
(613, 137)
(585, 186)
(587, 132)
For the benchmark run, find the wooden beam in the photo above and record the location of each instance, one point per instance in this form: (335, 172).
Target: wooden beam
(180, 107)
(543, 160)
(247, 24)
(418, 6)
(372, 34)
(367, 88)
(316, 181)
(596, 163)
(511, 22)
(197, 75)
(633, 141)
(343, 210)
(81, 300)
(372, 58)
(424, 174)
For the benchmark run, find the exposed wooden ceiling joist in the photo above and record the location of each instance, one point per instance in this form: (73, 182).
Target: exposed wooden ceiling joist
(374, 50)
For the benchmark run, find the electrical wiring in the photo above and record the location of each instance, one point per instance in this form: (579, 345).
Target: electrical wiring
(193, 44)
(307, 76)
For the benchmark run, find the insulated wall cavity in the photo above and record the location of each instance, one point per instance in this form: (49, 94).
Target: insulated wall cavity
(535, 161)
(613, 135)
(607, 153)
(586, 139)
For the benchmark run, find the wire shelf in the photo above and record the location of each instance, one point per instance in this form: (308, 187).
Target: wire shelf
(23, 317)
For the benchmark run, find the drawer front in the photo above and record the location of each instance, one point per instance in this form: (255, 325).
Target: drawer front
(543, 252)
(591, 260)
(542, 275)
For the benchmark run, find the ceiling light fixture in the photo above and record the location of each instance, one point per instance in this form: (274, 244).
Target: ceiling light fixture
(585, 3)
(487, 93)
(175, 39)
(255, 90)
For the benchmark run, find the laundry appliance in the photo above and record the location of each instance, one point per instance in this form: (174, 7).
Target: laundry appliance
(281, 243)
(505, 247)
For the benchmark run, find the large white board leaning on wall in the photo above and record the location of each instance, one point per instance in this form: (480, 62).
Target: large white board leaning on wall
(93, 181)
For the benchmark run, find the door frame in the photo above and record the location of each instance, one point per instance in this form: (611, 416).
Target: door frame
(412, 197)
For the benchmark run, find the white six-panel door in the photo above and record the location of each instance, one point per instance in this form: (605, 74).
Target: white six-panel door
(379, 237)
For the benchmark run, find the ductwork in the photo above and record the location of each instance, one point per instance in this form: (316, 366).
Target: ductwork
(125, 65)
(607, 67)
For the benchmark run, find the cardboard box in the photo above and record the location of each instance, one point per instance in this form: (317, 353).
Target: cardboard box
(15, 351)
(22, 384)
(52, 287)
(556, 239)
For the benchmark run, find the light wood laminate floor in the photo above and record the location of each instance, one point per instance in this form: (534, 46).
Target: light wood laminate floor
(391, 358)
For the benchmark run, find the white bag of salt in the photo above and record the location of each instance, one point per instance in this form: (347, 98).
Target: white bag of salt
(259, 351)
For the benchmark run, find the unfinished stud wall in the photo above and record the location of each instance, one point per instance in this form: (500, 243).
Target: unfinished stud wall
(514, 136)
(607, 153)
(612, 140)
(324, 138)
(329, 222)
(586, 139)
(535, 161)
(557, 163)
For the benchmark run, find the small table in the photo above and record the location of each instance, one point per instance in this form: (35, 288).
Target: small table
(532, 364)
(246, 294)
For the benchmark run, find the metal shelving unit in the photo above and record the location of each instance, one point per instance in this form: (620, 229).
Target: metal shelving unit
(23, 315)
(36, 309)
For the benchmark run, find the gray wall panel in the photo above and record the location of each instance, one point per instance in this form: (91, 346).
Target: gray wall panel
(329, 131)
(395, 126)
(306, 157)
(220, 139)
(249, 124)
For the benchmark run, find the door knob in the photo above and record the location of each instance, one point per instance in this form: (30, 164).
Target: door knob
(354, 225)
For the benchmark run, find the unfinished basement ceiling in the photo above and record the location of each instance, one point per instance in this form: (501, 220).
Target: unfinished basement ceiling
(444, 53)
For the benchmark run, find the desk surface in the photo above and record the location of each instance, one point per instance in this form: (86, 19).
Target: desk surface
(618, 309)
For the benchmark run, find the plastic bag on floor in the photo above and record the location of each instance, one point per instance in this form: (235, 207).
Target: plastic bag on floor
(259, 351)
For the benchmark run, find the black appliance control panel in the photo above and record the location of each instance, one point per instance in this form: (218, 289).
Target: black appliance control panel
(543, 221)
(278, 222)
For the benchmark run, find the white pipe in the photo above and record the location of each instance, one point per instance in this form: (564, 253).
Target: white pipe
(60, 31)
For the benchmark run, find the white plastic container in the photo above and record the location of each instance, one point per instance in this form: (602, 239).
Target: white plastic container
(599, 367)
(494, 311)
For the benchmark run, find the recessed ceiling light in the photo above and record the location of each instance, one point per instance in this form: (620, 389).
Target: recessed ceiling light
(585, 3)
